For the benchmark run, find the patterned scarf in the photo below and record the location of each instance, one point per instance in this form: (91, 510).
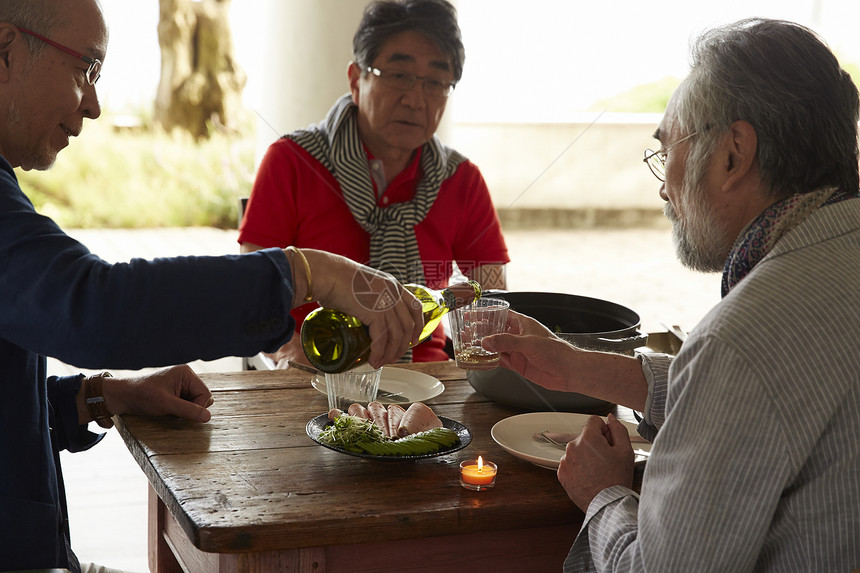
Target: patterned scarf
(764, 231)
(336, 144)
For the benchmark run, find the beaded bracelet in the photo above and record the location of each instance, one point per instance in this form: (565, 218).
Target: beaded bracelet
(308, 297)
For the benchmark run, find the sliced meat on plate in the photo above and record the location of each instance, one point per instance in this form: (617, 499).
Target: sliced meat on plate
(395, 414)
(418, 418)
(359, 411)
(379, 415)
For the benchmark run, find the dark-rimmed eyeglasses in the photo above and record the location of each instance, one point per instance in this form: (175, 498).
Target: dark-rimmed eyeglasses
(94, 69)
(433, 87)
(656, 160)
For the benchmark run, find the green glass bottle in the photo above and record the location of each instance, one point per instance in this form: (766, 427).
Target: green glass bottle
(334, 341)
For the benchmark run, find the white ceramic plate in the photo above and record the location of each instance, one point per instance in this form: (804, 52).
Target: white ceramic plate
(515, 434)
(407, 385)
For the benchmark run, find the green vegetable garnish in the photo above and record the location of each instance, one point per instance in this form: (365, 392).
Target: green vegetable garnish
(413, 444)
(360, 435)
(347, 431)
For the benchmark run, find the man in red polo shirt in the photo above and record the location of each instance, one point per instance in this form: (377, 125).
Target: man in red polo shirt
(372, 182)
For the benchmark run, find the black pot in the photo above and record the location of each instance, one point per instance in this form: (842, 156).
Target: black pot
(588, 323)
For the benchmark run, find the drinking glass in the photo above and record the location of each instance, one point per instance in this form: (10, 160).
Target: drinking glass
(470, 324)
(357, 385)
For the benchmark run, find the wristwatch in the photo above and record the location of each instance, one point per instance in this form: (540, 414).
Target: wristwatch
(95, 402)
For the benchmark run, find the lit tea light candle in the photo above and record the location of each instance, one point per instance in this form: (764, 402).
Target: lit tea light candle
(477, 474)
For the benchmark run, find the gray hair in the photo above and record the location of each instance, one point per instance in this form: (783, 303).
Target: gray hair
(782, 79)
(34, 15)
(436, 19)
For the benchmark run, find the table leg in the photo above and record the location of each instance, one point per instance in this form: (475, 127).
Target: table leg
(161, 558)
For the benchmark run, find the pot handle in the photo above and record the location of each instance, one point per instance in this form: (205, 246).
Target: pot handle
(624, 344)
(494, 291)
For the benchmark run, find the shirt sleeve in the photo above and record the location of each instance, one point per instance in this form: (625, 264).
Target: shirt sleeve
(712, 484)
(615, 505)
(479, 238)
(655, 367)
(66, 431)
(60, 300)
(270, 216)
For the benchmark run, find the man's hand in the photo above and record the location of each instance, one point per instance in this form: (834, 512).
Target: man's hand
(391, 313)
(531, 350)
(600, 457)
(176, 391)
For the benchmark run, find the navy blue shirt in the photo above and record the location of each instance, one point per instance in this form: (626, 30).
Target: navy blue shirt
(58, 299)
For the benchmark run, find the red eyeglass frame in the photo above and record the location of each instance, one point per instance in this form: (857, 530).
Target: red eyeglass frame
(95, 65)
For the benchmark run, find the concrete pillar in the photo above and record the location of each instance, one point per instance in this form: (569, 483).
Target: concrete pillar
(306, 49)
(307, 46)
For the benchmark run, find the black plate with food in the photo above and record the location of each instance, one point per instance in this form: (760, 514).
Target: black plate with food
(316, 426)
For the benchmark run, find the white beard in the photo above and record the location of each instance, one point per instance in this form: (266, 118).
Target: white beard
(700, 243)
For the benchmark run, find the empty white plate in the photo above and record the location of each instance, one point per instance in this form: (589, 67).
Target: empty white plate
(516, 435)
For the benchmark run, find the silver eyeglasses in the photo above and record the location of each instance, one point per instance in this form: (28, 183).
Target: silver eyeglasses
(656, 160)
(94, 69)
(433, 87)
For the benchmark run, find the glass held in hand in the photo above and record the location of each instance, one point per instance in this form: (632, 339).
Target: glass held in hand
(469, 325)
(334, 341)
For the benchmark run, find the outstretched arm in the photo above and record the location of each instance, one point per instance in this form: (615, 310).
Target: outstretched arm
(530, 349)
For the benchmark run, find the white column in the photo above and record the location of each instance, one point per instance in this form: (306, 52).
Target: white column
(445, 131)
(306, 49)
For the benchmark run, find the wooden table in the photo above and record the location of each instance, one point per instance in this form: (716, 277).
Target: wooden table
(250, 491)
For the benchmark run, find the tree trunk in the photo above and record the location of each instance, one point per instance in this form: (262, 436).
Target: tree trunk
(201, 83)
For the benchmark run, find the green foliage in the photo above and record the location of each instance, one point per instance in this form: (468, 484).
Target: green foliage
(142, 178)
(654, 97)
(139, 177)
(853, 70)
(645, 98)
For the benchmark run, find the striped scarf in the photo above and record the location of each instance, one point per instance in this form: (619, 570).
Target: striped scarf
(759, 237)
(336, 144)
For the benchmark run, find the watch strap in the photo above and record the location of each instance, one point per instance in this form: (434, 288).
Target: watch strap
(95, 401)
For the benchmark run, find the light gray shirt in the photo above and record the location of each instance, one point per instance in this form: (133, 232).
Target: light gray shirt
(756, 465)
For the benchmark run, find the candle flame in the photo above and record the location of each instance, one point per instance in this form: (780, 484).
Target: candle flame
(480, 463)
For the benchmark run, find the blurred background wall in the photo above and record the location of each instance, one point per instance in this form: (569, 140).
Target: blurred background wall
(558, 100)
